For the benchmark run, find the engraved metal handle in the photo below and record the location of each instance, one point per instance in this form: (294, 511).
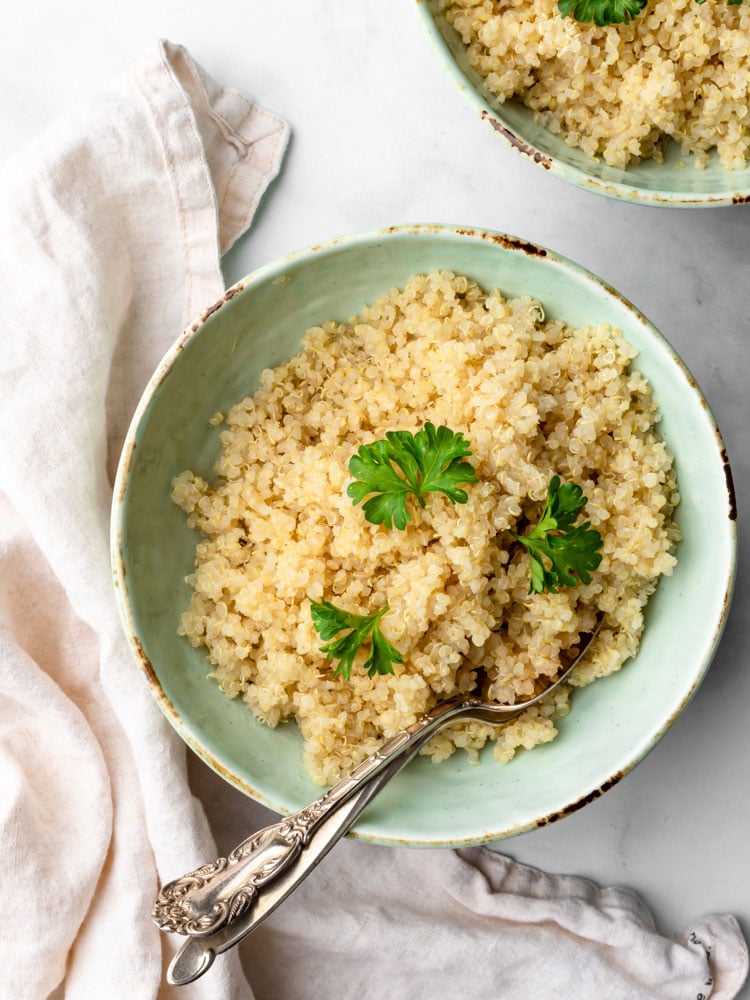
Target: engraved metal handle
(220, 903)
(198, 953)
(216, 894)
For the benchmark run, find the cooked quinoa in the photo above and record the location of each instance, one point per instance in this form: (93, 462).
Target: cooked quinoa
(534, 398)
(680, 69)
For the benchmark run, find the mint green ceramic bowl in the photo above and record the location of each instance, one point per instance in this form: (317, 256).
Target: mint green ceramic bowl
(217, 361)
(651, 183)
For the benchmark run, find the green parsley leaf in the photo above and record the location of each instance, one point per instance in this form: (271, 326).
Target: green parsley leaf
(330, 620)
(429, 462)
(601, 12)
(561, 555)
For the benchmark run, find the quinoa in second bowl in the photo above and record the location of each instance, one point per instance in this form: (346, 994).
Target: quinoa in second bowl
(534, 399)
(679, 70)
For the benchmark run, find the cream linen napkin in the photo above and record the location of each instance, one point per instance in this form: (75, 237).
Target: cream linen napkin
(379, 923)
(111, 229)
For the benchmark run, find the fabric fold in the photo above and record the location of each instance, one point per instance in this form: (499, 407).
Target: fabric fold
(474, 923)
(110, 243)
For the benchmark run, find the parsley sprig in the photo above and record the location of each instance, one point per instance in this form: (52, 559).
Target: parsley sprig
(406, 464)
(561, 555)
(330, 620)
(603, 12)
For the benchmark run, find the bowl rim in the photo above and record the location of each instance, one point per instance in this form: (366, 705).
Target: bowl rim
(573, 175)
(278, 268)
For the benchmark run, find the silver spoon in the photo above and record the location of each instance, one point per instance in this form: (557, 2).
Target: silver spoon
(221, 902)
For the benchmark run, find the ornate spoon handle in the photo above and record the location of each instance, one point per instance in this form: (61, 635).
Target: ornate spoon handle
(219, 903)
(198, 953)
(205, 900)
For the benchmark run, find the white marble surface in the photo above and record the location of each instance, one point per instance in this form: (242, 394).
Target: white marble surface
(382, 136)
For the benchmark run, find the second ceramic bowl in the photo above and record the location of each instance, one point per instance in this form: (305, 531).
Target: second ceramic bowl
(675, 183)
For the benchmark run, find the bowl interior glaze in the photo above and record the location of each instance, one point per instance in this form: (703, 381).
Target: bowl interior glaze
(258, 324)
